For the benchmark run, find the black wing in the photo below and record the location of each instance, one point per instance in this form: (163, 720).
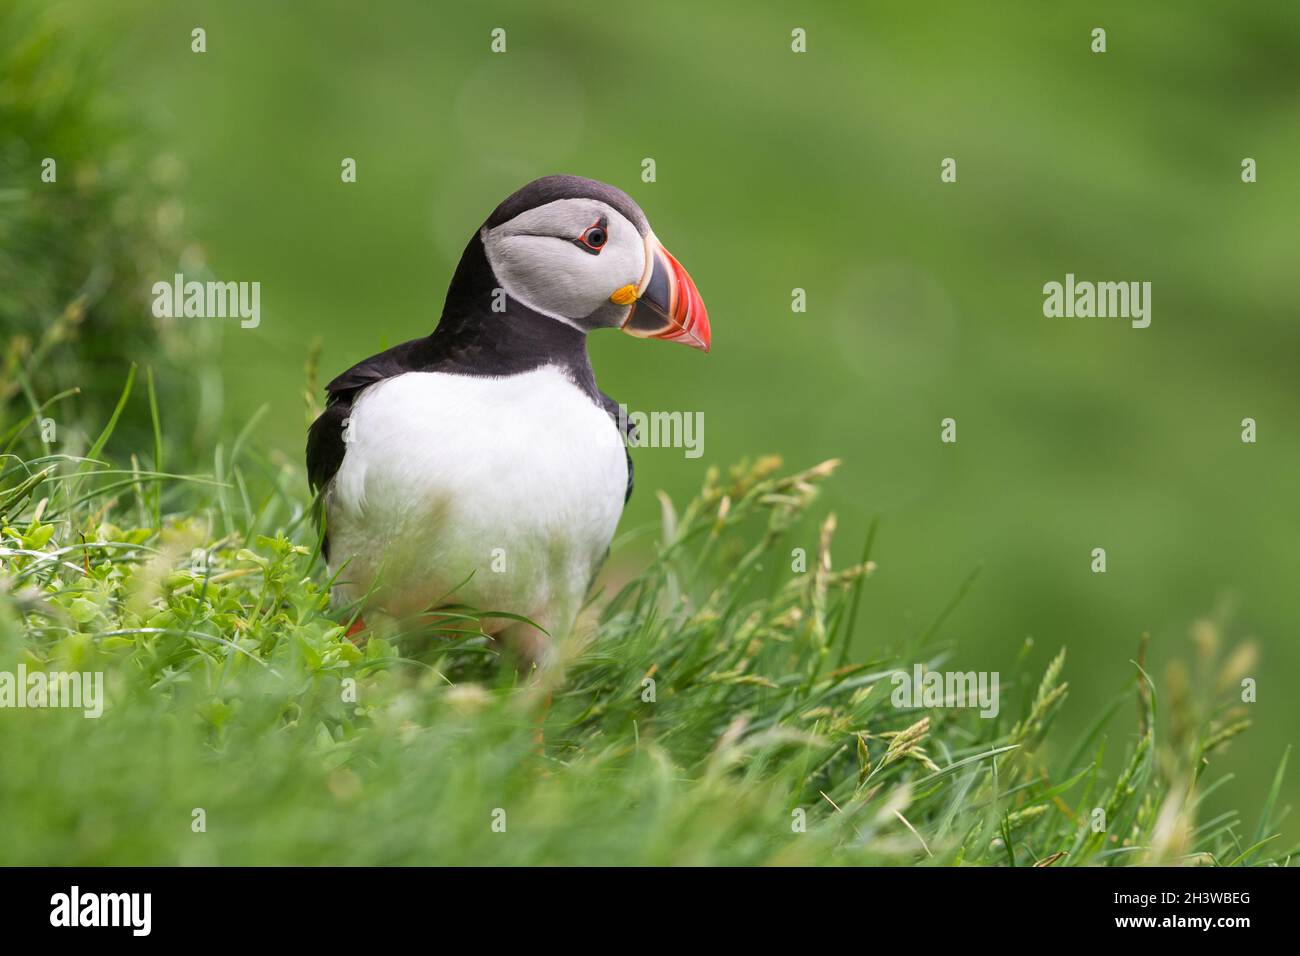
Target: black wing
(629, 433)
(325, 442)
(415, 355)
(325, 445)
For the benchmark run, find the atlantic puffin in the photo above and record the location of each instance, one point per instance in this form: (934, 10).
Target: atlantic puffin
(481, 465)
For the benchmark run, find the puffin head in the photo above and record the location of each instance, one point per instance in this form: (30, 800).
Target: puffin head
(582, 253)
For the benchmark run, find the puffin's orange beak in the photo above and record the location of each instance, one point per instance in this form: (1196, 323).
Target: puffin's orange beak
(666, 305)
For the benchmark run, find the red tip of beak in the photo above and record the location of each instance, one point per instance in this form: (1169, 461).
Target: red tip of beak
(689, 313)
(669, 306)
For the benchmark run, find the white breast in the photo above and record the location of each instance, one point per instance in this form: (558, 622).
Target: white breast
(515, 483)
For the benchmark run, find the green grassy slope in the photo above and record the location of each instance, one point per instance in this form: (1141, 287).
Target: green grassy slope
(709, 712)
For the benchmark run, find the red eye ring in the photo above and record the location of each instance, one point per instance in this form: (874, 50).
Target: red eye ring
(594, 237)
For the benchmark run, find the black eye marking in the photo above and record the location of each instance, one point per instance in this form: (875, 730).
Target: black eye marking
(594, 237)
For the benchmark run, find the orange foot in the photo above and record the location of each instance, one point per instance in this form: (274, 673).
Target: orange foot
(357, 627)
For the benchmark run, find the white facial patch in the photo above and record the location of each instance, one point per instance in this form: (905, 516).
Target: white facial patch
(537, 262)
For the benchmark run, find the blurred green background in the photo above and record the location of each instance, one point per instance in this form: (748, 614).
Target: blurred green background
(820, 170)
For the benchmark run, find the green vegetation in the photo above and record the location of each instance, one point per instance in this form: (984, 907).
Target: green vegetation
(160, 532)
(89, 217)
(710, 712)
(821, 171)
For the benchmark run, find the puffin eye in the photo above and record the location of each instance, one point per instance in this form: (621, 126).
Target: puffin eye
(594, 237)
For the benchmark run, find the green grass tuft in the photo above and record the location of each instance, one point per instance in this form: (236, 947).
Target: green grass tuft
(708, 712)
